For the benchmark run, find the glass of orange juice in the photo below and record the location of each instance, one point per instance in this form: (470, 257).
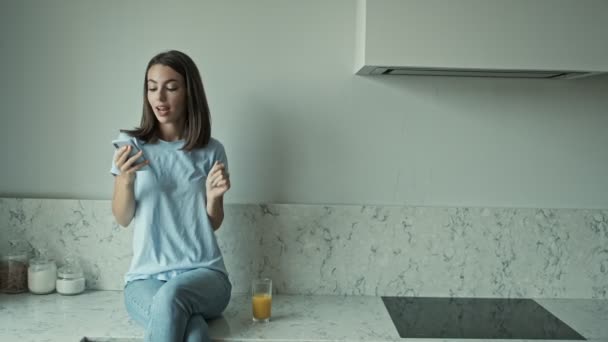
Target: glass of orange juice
(261, 299)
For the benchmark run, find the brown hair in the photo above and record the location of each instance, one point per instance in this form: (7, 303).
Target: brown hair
(197, 124)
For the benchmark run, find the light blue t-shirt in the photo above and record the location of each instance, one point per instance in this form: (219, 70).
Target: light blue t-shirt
(172, 232)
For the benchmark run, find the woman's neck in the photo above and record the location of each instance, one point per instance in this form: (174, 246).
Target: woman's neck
(170, 132)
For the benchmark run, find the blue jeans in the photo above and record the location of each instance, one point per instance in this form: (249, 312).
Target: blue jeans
(176, 310)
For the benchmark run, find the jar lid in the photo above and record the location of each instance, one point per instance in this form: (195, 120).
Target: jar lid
(14, 257)
(41, 264)
(41, 261)
(15, 250)
(71, 268)
(70, 271)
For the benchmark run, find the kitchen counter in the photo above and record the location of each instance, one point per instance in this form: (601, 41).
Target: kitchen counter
(100, 316)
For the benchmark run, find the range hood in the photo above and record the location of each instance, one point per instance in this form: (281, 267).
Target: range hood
(547, 39)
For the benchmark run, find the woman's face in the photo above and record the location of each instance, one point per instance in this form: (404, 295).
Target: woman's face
(166, 94)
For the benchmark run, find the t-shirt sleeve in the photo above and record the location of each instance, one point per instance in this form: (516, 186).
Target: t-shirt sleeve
(114, 170)
(221, 156)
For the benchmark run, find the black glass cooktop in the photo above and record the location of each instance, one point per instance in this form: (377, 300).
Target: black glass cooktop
(497, 318)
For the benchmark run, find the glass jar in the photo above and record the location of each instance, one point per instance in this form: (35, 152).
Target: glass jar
(42, 275)
(13, 267)
(70, 278)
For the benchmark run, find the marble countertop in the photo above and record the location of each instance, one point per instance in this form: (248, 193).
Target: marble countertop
(100, 316)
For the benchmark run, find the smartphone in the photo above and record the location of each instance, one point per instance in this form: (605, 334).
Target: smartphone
(134, 149)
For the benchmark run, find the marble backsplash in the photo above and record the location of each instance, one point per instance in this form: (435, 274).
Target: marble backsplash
(354, 250)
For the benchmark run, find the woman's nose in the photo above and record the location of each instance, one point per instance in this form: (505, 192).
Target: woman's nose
(161, 95)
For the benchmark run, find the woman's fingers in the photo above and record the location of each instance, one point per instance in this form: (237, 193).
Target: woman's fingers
(220, 176)
(121, 156)
(217, 167)
(129, 162)
(217, 173)
(222, 183)
(132, 160)
(126, 164)
(138, 166)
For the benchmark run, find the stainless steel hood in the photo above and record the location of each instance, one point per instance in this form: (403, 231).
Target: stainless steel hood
(407, 71)
(542, 39)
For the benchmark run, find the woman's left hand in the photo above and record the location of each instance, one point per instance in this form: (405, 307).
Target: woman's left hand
(218, 181)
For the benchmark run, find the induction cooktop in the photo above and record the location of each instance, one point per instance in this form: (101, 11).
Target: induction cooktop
(483, 318)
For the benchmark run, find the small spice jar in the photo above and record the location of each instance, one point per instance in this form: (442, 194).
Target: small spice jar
(13, 267)
(42, 275)
(70, 278)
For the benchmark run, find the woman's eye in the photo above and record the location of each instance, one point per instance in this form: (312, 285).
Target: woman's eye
(151, 89)
(171, 89)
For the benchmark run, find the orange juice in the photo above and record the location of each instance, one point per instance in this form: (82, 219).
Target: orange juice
(261, 304)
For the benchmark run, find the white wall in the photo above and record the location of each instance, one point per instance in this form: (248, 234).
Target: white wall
(298, 126)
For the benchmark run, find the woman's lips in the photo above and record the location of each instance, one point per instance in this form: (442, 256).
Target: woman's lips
(162, 110)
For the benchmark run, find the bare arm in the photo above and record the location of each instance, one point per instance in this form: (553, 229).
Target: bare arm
(215, 211)
(123, 199)
(218, 182)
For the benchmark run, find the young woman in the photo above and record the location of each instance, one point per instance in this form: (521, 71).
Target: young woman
(177, 278)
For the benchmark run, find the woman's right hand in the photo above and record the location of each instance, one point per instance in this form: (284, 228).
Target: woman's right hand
(126, 165)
